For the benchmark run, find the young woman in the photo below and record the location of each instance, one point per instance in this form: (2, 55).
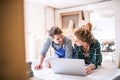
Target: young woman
(87, 47)
(62, 46)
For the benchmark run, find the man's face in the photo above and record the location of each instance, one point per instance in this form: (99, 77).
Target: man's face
(58, 39)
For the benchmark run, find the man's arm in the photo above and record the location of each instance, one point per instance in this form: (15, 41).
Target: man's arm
(39, 65)
(43, 52)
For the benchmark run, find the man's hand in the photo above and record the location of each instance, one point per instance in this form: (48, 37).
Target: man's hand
(38, 66)
(48, 64)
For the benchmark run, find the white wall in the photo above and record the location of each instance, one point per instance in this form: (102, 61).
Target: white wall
(103, 27)
(34, 17)
(117, 28)
(34, 26)
(98, 6)
(50, 18)
(38, 18)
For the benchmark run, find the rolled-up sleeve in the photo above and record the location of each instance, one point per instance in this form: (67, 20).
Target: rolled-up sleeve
(45, 47)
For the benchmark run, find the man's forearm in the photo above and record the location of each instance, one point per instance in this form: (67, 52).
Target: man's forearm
(41, 58)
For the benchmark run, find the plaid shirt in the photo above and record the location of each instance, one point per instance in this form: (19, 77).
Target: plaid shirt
(94, 56)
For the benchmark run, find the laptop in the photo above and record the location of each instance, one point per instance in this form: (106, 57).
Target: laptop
(68, 66)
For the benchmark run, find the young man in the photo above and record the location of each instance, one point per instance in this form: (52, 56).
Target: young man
(62, 46)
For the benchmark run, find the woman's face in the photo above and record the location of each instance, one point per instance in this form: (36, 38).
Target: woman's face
(78, 42)
(58, 39)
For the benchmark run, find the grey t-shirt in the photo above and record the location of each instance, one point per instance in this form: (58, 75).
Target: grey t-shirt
(67, 46)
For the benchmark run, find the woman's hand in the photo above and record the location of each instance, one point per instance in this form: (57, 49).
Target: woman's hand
(89, 68)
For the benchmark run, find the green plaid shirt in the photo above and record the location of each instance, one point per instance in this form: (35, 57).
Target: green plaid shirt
(94, 56)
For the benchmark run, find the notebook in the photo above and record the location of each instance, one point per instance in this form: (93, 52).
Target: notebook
(68, 66)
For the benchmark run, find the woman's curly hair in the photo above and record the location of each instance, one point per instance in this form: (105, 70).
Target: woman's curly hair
(84, 33)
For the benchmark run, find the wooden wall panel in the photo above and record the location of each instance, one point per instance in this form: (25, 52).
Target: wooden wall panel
(12, 43)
